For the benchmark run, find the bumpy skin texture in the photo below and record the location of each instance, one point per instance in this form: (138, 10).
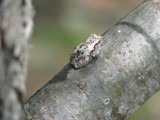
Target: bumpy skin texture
(86, 51)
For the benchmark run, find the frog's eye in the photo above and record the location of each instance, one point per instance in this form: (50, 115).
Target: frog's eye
(82, 53)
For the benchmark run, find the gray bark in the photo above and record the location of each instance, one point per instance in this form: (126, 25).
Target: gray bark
(15, 29)
(115, 84)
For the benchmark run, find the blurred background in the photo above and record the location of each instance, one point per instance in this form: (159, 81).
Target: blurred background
(60, 25)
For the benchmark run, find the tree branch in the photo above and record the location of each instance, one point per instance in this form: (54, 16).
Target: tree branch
(111, 87)
(15, 29)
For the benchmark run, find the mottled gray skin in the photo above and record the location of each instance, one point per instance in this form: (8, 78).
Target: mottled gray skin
(86, 51)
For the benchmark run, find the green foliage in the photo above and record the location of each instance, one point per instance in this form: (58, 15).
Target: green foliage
(56, 35)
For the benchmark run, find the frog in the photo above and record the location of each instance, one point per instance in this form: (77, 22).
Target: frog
(86, 51)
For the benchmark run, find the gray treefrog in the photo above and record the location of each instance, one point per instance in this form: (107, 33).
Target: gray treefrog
(86, 51)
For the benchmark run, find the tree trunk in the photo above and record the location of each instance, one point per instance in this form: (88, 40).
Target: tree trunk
(15, 29)
(111, 87)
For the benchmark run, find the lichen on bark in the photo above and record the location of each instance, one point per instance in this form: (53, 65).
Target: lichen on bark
(14, 51)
